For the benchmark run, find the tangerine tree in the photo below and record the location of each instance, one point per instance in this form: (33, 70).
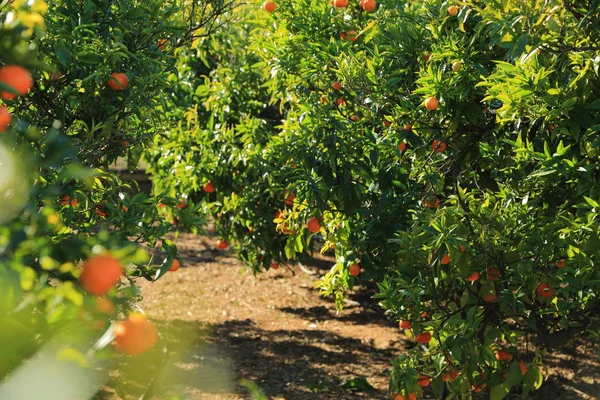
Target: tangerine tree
(446, 149)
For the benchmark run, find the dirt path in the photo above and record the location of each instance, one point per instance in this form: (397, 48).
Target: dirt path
(222, 325)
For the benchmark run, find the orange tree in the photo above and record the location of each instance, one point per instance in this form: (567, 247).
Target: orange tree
(81, 84)
(446, 150)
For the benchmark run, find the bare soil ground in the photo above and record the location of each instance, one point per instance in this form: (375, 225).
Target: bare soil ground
(222, 325)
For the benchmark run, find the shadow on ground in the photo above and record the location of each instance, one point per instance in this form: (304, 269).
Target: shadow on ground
(211, 359)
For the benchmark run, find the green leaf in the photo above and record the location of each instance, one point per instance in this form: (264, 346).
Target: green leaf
(499, 392)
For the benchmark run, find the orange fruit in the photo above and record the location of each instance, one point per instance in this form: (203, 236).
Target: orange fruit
(118, 81)
(313, 225)
(463, 248)
(340, 101)
(408, 127)
(18, 78)
(435, 204)
(208, 187)
(438, 146)
(181, 204)
(427, 57)
(368, 5)
(274, 265)
(100, 274)
(490, 297)
(105, 306)
(402, 147)
(278, 214)
(432, 103)
(354, 269)
(545, 291)
(269, 6)
(559, 264)
(405, 324)
(352, 36)
(449, 376)
(387, 123)
(493, 274)
(336, 85)
(423, 380)
(523, 367)
(222, 245)
(474, 277)
(445, 259)
(135, 335)
(424, 337)
(503, 355)
(453, 10)
(125, 143)
(66, 200)
(175, 265)
(100, 212)
(339, 3)
(161, 43)
(289, 198)
(355, 118)
(5, 118)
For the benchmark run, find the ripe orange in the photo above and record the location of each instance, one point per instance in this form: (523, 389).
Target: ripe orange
(453, 10)
(408, 127)
(100, 212)
(313, 225)
(222, 245)
(135, 335)
(105, 306)
(435, 204)
(402, 147)
(340, 101)
(559, 264)
(339, 3)
(208, 187)
(368, 5)
(438, 146)
(427, 57)
(490, 297)
(269, 6)
(161, 43)
(175, 265)
(5, 118)
(66, 200)
(181, 204)
(289, 198)
(405, 324)
(387, 123)
(503, 355)
(354, 269)
(445, 259)
(523, 367)
(125, 143)
(449, 376)
(100, 274)
(545, 291)
(423, 380)
(278, 214)
(351, 35)
(336, 85)
(118, 81)
(274, 265)
(474, 277)
(493, 274)
(18, 78)
(463, 248)
(424, 337)
(432, 103)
